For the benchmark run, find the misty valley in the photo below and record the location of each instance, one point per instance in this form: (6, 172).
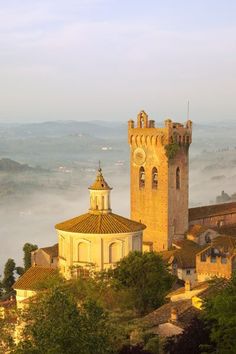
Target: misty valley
(46, 169)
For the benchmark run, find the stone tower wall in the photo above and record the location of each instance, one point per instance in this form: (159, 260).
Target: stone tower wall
(163, 210)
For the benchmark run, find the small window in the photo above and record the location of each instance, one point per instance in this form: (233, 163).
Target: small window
(154, 178)
(213, 259)
(203, 257)
(188, 271)
(141, 177)
(178, 178)
(223, 260)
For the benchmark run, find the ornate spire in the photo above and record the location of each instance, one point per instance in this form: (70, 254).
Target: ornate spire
(100, 183)
(100, 195)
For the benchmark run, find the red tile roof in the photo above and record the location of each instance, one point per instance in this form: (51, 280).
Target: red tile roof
(52, 250)
(92, 223)
(33, 277)
(211, 210)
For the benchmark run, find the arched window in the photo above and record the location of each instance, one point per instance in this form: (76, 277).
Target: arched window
(154, 178)
(141, 177)
(177, 178)
(114, 252)
(83, 252)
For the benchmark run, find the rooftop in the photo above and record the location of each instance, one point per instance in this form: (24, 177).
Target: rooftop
(196, 230)
(224, 242)
(91, 223)
(211, 210)
(100, 183)
(52, 251)
(33, 277)
(184, 255)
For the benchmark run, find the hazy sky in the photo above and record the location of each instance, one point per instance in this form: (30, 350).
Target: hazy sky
(107, 59)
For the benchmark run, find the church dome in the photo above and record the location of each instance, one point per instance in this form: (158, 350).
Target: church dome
(100, 219)
(91, 223)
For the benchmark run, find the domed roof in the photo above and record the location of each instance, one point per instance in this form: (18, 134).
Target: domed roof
(100, 183)
(92, 223)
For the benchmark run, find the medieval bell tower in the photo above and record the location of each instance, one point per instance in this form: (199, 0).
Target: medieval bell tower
(159, 172)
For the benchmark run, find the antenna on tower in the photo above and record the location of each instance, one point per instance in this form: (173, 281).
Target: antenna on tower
(188, 111)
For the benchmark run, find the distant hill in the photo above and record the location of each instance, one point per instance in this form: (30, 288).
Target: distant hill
(8, 165)
(97, 129)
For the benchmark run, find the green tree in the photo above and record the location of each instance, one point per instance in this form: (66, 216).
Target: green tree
(20, 270)
(55, 324)
(6, 335)
(9, 278)
(27, 249)
(147, 278)
(195, 339)
(220, 315)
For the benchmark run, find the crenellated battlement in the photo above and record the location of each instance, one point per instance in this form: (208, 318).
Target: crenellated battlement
(144, 132)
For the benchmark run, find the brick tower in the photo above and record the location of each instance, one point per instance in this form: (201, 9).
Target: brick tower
(159, 179)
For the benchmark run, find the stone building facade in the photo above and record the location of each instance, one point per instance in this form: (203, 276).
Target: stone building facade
(218, 259)
(159, 178)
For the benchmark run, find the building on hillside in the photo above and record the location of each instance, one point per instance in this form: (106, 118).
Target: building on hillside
(45, 257)
(201, 235)
(182, 260)
(217, 259)
(99, 238)
(159, 169)
(29, 283)
(216, 215)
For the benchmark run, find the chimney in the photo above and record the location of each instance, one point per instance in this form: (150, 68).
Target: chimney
(187, 285)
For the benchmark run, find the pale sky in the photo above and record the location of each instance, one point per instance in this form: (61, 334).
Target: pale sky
(108, 59)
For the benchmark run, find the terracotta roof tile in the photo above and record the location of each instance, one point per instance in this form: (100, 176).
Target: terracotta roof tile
(184, 255)
(52, 250)
(32, 277)
(226, 243)
(211, 210)
(227, 229)
(92, 223)
(197, 229)
(163, 313)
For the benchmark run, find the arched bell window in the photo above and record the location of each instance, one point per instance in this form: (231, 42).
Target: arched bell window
(154, 178)
(177, 178)
(141, 177)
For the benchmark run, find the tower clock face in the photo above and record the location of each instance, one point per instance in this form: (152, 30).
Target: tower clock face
(139, 156)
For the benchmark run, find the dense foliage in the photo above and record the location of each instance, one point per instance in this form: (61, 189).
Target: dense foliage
(97, 312)
(27, 249)
(194, 340)
(220, 316)
(8, 277)
(146, 277)
(55, 324)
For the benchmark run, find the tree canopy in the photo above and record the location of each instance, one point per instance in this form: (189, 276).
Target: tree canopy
(8, 277)
(220, 316)
(27, 249)
(146, 276)
(55, 324)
